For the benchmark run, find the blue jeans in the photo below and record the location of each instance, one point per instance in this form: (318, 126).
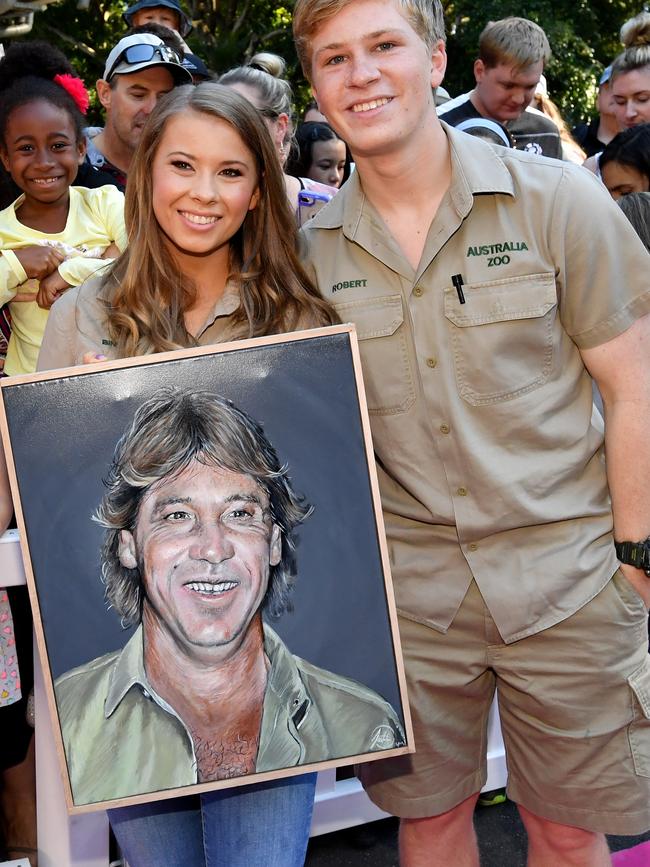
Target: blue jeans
(261, 825)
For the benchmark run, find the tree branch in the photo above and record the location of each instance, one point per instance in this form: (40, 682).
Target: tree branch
(81, 46)
(242, 15)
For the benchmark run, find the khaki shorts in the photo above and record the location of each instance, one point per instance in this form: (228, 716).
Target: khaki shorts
(574, 702)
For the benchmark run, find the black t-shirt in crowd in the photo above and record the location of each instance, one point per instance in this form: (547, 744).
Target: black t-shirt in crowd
(586, 134)
(532, 131)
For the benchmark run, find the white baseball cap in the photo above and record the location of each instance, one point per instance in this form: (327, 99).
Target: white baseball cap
(142, 51)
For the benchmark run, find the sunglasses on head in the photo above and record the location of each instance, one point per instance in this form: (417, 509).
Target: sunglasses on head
(143, 52)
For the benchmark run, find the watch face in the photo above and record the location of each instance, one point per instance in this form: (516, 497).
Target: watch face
(635, 554)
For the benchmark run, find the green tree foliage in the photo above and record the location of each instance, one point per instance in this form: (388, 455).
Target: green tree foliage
(583, 35)
(226, 32)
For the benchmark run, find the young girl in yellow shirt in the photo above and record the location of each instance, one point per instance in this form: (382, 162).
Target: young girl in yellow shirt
(54, 235)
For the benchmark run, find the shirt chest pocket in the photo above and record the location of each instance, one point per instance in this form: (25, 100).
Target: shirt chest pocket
(384, 349)
(502, 337)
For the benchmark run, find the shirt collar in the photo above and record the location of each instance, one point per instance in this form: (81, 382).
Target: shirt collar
(476, 169)
(128, 671)
(284, 687)
(292, 726)
(225, 306)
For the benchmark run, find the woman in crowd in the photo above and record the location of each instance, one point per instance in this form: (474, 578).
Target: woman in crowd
(630, 78)
(625, 162)
(322, 155)
(261, 82)
(211, 257)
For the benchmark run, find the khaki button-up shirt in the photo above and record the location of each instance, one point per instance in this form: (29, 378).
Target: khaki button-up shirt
(489, 462)
(77, 325)
(122, 739)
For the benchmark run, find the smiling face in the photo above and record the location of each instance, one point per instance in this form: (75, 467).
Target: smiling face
(372, 76)
(204, 184)
(204, 542)
(631, 97)
(327, 162)
(503, 91)
(41, 152)
(130, 101)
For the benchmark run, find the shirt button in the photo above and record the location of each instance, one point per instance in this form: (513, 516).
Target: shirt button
(462, 492)
(417, 291)
(444, 428)
(431, 362)
(146, 693)
(473, 546)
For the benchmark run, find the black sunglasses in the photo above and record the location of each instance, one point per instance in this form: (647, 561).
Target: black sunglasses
(143, 52)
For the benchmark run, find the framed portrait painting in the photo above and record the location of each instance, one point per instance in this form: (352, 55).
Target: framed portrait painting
(203, 543)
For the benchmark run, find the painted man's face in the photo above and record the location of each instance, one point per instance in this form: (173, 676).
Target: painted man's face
(204, 543)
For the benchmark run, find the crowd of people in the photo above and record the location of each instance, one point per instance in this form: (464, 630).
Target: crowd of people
(518, 282)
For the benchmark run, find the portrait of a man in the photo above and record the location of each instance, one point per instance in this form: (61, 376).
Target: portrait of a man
(199, 554)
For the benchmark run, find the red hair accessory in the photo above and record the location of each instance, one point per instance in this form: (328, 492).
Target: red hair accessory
(76, 88)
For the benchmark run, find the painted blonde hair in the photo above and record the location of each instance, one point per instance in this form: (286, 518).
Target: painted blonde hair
(147, 295)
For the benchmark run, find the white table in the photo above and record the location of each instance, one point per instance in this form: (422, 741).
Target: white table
(82, 841)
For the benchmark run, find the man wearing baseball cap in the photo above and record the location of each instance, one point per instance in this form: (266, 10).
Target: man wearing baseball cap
(139, 70)
(600, 129)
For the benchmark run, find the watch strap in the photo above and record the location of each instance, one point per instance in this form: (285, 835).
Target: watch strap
(635, 554)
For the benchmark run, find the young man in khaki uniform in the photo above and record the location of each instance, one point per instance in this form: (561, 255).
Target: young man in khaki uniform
(487, 285)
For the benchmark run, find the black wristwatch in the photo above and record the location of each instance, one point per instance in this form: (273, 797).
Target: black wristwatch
(635, 554)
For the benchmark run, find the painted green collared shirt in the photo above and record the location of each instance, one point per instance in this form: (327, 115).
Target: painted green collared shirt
(122, 739)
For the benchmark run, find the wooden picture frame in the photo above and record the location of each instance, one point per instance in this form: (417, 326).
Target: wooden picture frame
(339, 645)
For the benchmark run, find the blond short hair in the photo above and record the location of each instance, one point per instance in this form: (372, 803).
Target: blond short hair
(513, 41)
(424, 16)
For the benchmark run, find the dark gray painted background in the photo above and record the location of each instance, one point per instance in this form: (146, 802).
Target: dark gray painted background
(303, 392)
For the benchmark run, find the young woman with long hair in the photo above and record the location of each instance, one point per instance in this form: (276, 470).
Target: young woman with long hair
(211, 257)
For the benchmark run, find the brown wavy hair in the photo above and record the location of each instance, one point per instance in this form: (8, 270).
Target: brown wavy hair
(147, 294)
